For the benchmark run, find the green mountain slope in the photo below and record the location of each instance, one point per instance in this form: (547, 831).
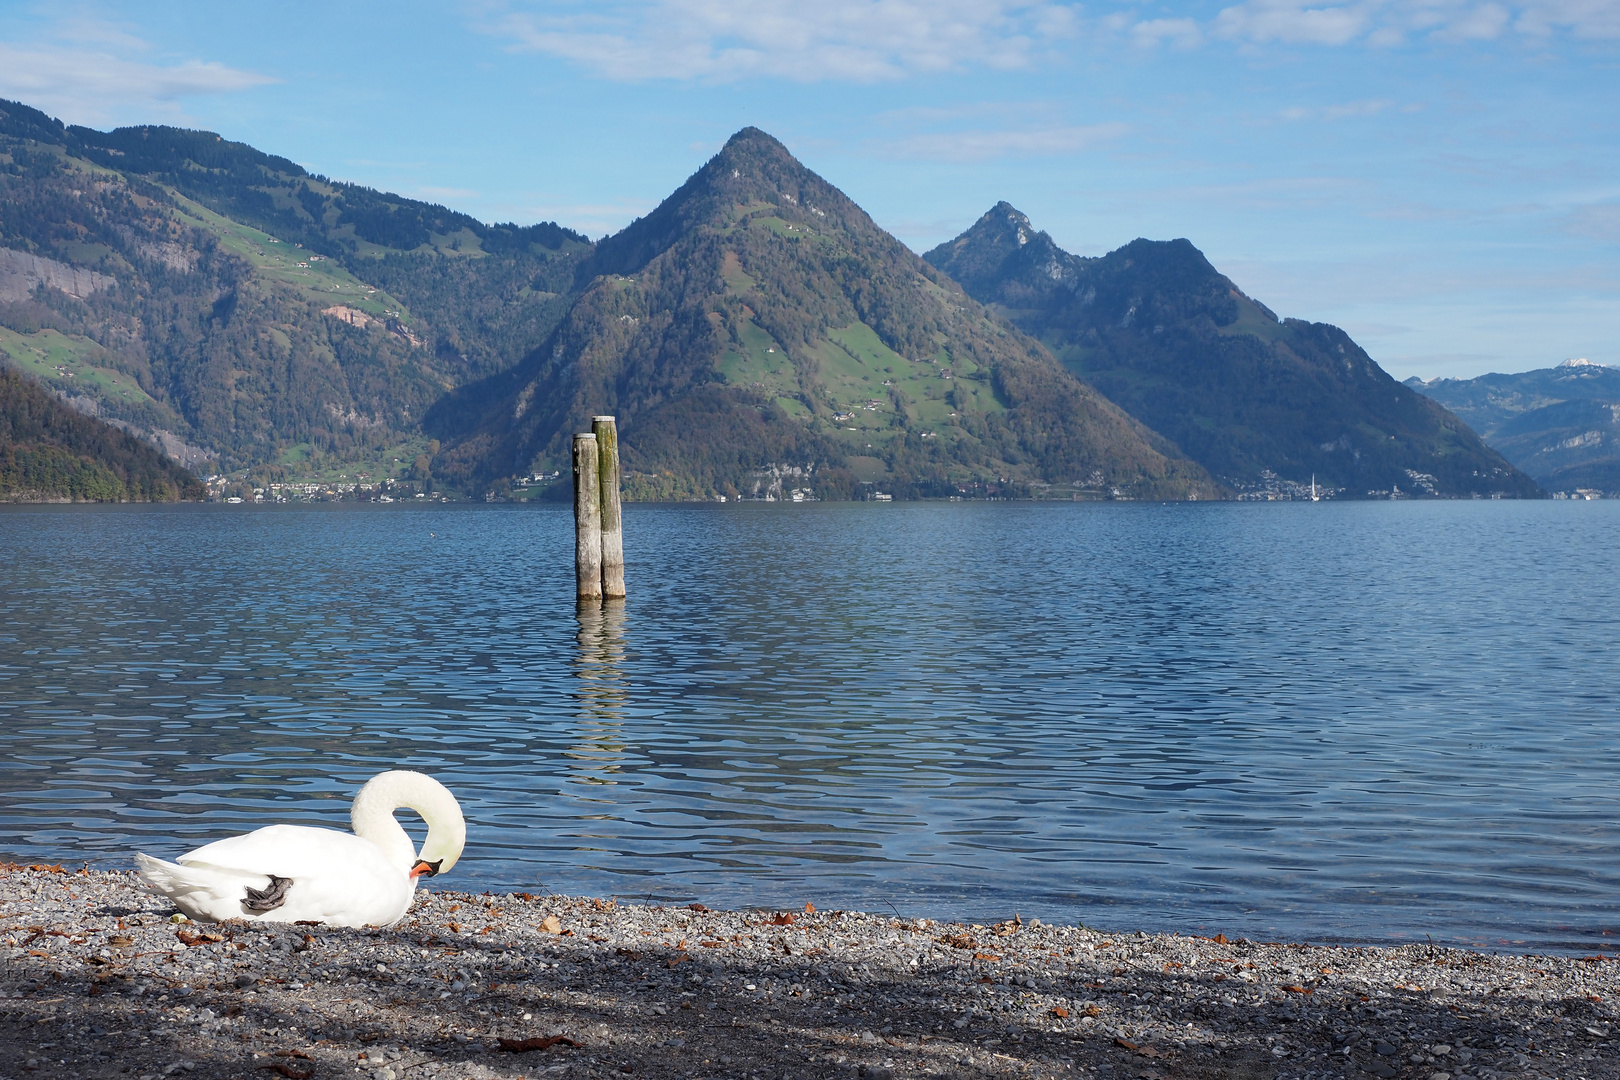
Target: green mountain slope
(48, 452)
(227, 301)
(1561, 425)
(1262, 403)
(758, 325)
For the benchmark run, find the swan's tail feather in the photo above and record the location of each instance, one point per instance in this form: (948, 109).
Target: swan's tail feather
(201, 892)
(160, 877)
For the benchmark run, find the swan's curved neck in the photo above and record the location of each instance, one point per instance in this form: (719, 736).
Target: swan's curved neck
(372, 816)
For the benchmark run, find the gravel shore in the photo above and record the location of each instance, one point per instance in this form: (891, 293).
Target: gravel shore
(97, 981)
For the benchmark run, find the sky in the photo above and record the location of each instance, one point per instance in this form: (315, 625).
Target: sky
(1439, 177)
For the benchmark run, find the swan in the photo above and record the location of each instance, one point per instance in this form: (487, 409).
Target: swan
(297, 873)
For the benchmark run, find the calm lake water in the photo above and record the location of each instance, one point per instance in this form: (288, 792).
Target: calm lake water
(1339, 721)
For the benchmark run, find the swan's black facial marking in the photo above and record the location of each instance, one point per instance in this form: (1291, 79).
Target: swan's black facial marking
(268, 899)
(423, 868)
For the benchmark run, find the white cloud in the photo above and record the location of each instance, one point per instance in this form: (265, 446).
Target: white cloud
(1388, 23)
(984, 145)
(92, 80)
(1184, 33)
(1262, 22)
(845, 40)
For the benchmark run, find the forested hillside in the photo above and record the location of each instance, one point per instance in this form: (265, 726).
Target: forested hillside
(1263, 403)
(758, 318)
(244, 312)
(49, 452)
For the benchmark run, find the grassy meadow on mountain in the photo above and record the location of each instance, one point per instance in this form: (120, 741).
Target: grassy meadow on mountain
(758, 316)
(756, 334)
(1253, 398)
(227, 302)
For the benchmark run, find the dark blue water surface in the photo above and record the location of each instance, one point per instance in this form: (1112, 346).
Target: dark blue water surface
(1366, 721)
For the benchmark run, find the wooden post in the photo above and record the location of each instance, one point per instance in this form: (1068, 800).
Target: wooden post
(587, 520)
(607, 449)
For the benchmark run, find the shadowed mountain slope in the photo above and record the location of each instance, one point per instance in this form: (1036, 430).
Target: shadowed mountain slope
(758, 325)
(1561, 425)
(50, 453)
(1250, 397)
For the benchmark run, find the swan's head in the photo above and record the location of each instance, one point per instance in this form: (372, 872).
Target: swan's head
(372, 817)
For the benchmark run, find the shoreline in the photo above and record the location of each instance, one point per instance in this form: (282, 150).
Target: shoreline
(98, 982)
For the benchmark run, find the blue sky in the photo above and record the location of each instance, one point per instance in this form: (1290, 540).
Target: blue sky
(1439, 177)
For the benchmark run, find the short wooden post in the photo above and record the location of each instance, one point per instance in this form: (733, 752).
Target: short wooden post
(606, 430)
(587, 520)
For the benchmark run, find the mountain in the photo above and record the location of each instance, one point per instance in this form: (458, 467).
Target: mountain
(50, 453)
(1560, 425)
(237, 309)
(758, 330)
(1260, 402)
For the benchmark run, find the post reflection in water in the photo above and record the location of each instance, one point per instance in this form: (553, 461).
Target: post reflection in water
(601, 691)
(1351, 720)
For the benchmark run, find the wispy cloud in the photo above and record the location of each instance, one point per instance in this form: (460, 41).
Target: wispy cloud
(1345, 111)
(1389, 23)
(986, 145)
(91, 72)
(837, 40)
(1185, 33)
(1600, 221)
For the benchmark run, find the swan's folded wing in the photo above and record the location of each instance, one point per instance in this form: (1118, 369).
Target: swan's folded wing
(299, 852)
(331, 877)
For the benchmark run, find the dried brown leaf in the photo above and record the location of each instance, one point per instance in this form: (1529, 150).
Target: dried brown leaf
(288, 1071)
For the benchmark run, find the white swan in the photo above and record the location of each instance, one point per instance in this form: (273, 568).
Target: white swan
(293, 873)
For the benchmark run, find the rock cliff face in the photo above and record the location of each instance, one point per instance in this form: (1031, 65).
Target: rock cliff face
(22, 272)
(1258, 401)
(759, 318)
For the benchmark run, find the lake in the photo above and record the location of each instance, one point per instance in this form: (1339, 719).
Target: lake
(1332, 721)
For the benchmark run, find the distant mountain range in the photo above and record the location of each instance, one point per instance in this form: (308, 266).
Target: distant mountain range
(1560, 425)
(1254, 399)
(757, 334)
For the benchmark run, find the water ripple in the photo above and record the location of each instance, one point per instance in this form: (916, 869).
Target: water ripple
(1346, 721)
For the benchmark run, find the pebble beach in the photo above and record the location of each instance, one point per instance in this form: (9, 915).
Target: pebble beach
(100, 980)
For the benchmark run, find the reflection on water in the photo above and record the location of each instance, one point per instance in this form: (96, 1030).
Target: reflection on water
(1306, 721)
(602, 690)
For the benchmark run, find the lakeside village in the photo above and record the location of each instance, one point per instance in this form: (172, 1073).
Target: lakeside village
(362, 488)
(229, 489)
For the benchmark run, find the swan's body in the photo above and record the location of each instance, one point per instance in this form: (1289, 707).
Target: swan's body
(296, 873)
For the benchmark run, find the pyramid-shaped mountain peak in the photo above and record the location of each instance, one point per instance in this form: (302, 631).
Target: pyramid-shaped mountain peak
(758, 317)
(1003, 244)
(753, 170)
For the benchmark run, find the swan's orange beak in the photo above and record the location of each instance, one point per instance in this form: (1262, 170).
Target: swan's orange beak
(423, 868)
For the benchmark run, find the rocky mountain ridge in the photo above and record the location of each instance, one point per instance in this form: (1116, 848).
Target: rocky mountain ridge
(1251, 397)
